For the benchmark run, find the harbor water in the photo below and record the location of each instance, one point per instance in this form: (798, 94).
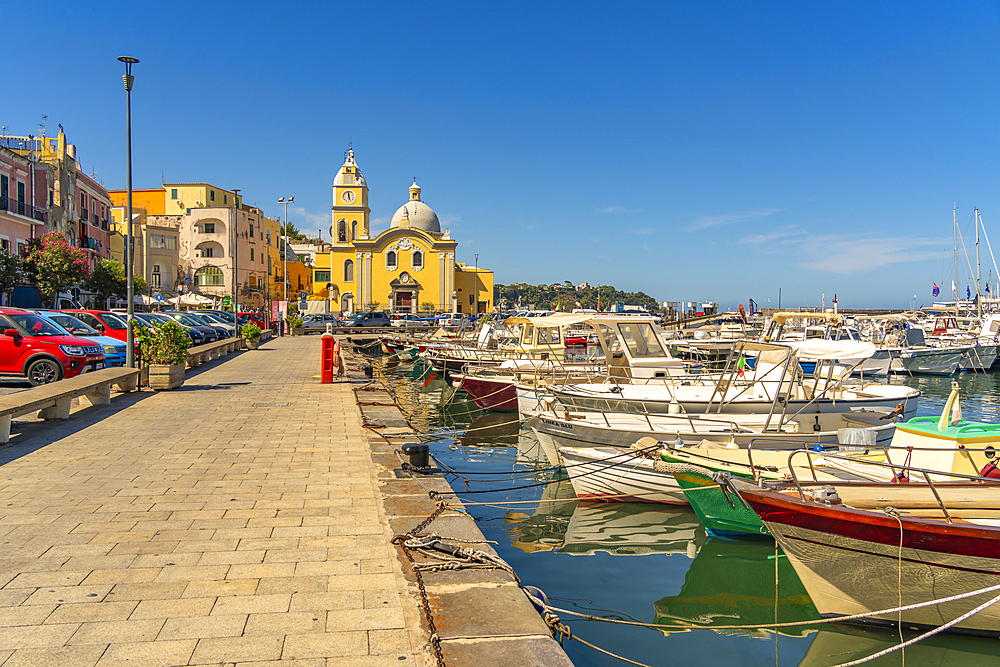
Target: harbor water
(647, 563)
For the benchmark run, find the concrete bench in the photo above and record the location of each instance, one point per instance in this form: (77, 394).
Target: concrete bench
(53, 400)
(205, 353)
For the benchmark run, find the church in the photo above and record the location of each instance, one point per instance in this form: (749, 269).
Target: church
(408, 268)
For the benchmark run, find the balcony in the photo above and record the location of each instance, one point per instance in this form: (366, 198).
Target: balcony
(25, 209)
(89, 243)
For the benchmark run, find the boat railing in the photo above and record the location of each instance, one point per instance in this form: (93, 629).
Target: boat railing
(896, 469)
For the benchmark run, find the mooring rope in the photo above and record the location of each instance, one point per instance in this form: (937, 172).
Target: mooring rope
(790, 624)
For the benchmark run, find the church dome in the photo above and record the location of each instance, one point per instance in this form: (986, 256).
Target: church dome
(420, 215)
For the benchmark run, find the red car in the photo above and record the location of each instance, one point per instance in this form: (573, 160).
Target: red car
(108, 323)
(256, 318)
(32, 347)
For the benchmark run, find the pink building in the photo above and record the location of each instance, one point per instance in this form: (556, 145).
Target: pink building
(24, 210)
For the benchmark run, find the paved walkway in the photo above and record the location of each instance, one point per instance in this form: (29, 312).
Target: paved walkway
(202, 527)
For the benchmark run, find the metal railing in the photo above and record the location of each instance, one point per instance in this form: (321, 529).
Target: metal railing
(23, 208)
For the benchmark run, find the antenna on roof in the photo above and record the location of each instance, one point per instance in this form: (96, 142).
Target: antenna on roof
(42, 125)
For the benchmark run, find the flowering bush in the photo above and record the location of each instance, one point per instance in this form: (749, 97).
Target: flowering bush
(57, 265)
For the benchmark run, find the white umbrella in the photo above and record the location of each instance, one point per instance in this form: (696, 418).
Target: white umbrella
(190, 299)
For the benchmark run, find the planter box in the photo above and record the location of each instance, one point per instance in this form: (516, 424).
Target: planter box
(298, 332)
(253, 343)
(166, 376)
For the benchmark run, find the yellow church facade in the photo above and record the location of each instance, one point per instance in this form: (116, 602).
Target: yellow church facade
(407, 268)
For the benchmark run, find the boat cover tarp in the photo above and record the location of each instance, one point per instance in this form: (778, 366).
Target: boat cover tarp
(781, 318)
(554, 320)
(832, 349)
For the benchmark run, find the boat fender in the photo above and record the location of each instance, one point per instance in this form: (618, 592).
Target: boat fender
(537, 597)
(990, 470)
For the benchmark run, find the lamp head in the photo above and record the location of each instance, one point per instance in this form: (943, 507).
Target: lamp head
(128, 60)
(281, 200)
(291, 199)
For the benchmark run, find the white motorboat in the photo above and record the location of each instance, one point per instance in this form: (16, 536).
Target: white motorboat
(775, 386)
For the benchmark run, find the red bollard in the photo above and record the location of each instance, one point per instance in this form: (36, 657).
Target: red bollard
(328, 358)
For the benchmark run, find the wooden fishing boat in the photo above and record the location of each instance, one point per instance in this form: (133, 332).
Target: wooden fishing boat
(856, 556)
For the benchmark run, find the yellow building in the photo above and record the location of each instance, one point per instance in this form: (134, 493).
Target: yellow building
(409, 267)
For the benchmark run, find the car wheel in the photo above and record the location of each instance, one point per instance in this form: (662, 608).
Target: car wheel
(43, 371)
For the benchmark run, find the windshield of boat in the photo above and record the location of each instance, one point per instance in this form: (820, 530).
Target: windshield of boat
(610, 338)
(641, 340)
(526, 332)
(548, 335)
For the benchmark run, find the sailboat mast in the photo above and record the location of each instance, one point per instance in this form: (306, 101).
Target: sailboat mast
(979, 301)
(954, 283)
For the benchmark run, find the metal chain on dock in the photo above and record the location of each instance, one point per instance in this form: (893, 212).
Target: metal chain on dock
(425, 602)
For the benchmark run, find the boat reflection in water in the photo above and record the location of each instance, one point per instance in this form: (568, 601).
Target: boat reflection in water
(839, 642)
(731, 582)
(563, 524)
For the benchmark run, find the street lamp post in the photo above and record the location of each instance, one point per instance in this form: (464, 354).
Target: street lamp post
(475, 310)
(284, 251)
(130, 336)
(236, 259)
(270, 271)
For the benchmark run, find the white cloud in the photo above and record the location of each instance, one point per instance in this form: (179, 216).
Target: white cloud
(706, 221)
(856, 254)
(619, 209)
(320, 220)
(783, 233)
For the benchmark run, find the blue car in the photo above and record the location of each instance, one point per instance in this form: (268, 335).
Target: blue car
(114, 349)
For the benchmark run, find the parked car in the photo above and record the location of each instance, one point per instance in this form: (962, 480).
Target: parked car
(34, 348)
(411, 320)
(256, 318)
(154, 320)
(114, 349)
(214, 321)
(210, 333)
(106, 322)
(318, 321)
(450, 319)
(223, 315)
(368, 320)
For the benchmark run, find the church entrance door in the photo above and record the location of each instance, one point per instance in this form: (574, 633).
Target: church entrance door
(404, 301)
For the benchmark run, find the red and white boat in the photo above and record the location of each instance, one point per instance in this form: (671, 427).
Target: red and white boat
(851, 560)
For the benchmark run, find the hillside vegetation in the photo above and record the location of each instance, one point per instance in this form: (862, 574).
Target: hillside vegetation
(566, 297)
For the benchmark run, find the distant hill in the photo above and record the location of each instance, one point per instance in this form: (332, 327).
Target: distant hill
(566, 296)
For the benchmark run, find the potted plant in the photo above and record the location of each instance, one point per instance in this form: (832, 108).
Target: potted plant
(251, 332)
(164, 351)
(294, 324)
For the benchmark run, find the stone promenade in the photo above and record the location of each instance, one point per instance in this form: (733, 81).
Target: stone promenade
(209, 525)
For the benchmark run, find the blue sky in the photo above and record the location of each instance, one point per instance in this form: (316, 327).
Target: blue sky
(695, 151)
